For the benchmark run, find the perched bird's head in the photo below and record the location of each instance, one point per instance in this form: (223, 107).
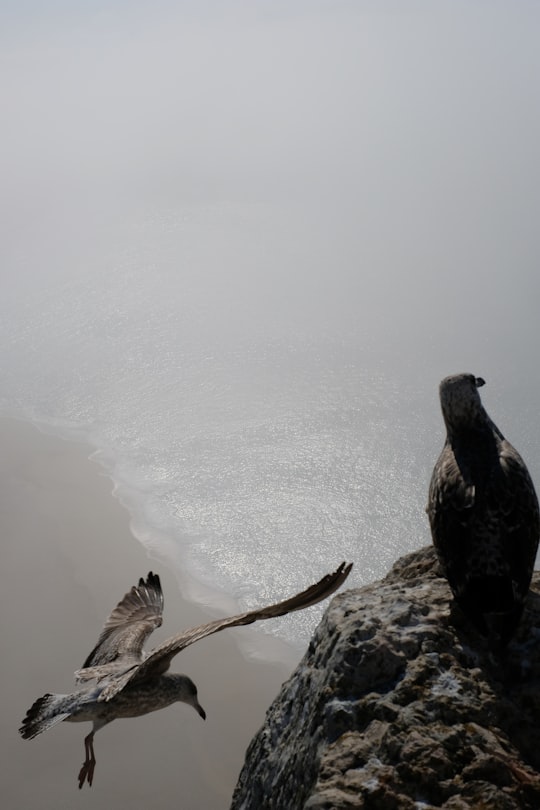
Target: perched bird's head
(186, 692)
(460, 401)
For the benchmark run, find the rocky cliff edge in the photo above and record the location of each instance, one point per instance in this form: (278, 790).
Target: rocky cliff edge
(398, 704)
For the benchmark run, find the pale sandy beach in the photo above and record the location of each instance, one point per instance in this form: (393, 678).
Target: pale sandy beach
(67, 556)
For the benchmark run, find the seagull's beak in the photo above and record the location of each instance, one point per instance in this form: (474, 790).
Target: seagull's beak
(479, 382)
(200, 710)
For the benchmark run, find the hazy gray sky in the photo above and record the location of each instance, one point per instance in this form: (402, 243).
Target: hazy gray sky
(399, 141)
(382, 102)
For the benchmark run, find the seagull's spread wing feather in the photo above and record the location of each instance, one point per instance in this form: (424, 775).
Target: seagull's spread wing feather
(125, 631)
(158, 660)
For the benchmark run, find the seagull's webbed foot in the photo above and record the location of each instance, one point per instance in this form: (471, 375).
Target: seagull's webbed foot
(86, 774)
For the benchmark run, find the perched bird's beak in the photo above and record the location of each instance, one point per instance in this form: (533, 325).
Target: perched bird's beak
(479, 382)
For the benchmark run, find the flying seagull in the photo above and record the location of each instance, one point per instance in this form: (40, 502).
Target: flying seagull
(483, 513)
(130, 682)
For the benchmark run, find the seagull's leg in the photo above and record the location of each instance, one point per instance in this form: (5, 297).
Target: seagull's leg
(87, 771)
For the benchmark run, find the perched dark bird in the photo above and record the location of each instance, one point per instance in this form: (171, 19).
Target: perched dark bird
(130, 682)
(483, 513)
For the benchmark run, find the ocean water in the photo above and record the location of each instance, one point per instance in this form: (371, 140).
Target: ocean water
(256, 438)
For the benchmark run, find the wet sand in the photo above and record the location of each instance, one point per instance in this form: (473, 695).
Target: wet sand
(67, 555)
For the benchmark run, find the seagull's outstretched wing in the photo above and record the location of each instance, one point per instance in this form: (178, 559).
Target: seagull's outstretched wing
(158, 660)
(127, 628)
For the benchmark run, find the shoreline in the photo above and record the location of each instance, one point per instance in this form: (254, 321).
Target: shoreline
(68, 555)
(161, 544)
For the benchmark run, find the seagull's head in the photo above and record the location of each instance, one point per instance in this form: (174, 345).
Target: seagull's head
(460, 401)
(186, 692)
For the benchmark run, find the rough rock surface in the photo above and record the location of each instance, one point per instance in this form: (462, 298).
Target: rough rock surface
(399, 704)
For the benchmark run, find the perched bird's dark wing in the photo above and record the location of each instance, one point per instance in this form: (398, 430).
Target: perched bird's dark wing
(450, 505)
(158, 660)
(473, 510)
(518, 506)
(127, 628)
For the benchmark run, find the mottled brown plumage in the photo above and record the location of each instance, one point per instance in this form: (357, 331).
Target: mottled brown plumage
(130, 682)
(137, 615)
(483, 513)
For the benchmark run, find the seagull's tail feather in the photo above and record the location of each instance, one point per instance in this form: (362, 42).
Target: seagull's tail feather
(46, 712)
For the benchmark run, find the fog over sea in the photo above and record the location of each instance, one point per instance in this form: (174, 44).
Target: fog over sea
(242, 243)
